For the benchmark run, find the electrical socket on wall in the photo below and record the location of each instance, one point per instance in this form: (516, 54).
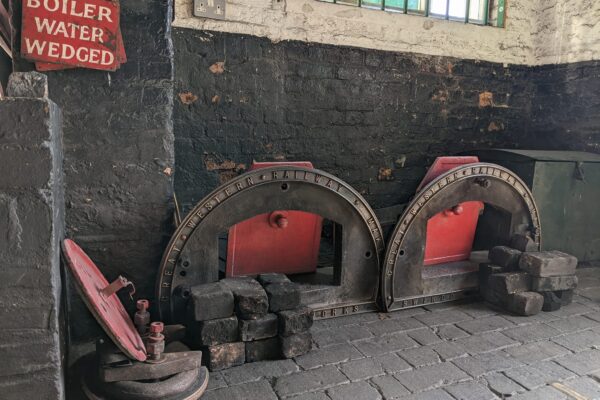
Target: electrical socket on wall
(214, 9)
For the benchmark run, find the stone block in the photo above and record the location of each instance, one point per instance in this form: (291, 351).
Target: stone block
(267, 279)
(309, 381)
(260, 328)
(295, 321)
(484, 324)
(361, 369)
(355, 391)
(259, 390)
(251, 372)
(509, 282)
(213, 332)
(484, 364)
(506, 257)
(260, 350)
(553, 283)
(534, 352)
(531, 332)
(548, 263)
(420, 356)
(493, 297)
(329, 355)
(485, 270)
(210, 301)
(503, 386)
(525, 303)
(27, 84)
(581, 363)
(251, 301)
(523, 243)
(295, 345)
(479, 343)
(470, 390)
(389, 387)
(25, 168)
(538, 374)
(432, 376)
(566, 296)
(283, 296)
(224, 356)
(425, 336)
(551, 302)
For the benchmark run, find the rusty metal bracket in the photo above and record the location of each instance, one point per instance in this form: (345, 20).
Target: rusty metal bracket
(116, 285)
(192, 254)
(403, 277)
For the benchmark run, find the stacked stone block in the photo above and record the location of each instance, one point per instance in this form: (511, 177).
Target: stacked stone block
(293, 320)
(238, 320)
(212, 326)
(526, 282)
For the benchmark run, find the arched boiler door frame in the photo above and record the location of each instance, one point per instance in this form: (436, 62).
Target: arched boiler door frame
(401, 272)
(191, 256)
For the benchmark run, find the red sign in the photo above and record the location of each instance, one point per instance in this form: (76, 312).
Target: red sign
(82, 33)
(121, 58)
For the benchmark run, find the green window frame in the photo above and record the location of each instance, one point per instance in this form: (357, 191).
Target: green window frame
(479, 12)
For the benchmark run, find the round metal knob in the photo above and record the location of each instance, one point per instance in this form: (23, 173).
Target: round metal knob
(279, 219)
(457, 210)
(142, 305)
(156, 327)
(282, 222)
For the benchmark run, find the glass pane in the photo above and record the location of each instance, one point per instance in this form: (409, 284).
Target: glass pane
(372, 3)
(438, 7)
(348, 2)
(477, 10)
(457, 9)
(416, 6)
(394, 5)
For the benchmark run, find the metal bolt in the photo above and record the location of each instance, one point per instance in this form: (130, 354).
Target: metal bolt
(156, 327)
(142, 305)
(282, 222)
(155, 343)
(458, 209)
(483, 182)
(141, 319)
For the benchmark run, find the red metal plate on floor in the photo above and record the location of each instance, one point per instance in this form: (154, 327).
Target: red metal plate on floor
(108, 310)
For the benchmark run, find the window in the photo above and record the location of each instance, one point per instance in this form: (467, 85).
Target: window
(482, 12)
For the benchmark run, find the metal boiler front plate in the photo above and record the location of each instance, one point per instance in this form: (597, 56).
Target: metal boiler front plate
(108, 310)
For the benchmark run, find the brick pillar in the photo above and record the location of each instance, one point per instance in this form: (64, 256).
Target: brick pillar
(31, 227)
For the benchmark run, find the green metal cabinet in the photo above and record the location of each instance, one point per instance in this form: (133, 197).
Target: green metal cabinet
(566, 188)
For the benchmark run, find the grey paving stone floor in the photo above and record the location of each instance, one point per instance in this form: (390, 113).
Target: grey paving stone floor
(440, 352)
